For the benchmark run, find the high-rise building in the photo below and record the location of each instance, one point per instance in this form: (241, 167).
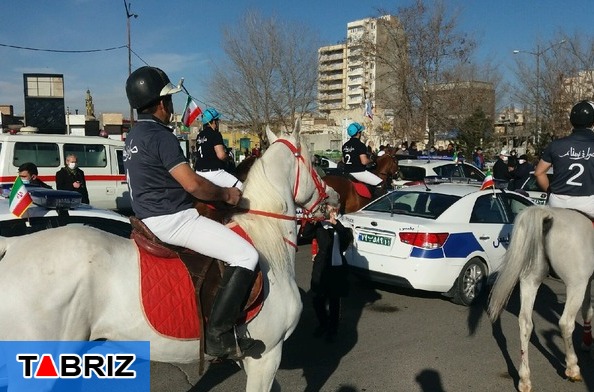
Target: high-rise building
(351, 82)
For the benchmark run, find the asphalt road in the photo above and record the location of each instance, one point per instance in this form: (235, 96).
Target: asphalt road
(402, 340)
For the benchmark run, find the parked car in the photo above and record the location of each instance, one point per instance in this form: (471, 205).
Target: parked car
(415, 171)
(441, 237)
(534, 191)
(60, 208)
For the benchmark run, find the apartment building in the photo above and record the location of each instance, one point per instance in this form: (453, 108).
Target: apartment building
(351, 81)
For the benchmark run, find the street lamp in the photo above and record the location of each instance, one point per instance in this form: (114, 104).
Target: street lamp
(539, 52)
(128, 16)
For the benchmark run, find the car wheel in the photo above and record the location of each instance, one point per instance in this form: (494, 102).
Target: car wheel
(470, 283)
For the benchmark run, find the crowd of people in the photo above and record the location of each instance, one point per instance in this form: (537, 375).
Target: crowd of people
(68, 178)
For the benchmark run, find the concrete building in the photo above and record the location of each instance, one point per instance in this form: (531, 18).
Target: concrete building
(352, 85)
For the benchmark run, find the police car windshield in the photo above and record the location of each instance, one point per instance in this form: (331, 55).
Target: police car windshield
(421, 204)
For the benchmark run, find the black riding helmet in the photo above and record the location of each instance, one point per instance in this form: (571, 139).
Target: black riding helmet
(582, 114)
(147, 85)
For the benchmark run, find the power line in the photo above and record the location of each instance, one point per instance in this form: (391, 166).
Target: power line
(63, 51)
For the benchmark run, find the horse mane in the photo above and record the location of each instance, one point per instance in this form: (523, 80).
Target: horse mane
(261, 194)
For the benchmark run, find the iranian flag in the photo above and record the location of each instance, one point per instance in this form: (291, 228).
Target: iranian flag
(488, 181)
(191, 113)
(19, 199)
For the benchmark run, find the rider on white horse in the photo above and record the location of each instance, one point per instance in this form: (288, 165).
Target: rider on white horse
(161, 186)
(354, 156)
(211, 154)
(572, 158)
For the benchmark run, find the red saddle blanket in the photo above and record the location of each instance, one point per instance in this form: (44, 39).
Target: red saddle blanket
(168, 296)
(362, 190)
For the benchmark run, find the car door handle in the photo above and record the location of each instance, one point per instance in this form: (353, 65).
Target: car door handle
(484, 237)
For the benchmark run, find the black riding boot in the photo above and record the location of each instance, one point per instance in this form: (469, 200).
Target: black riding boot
(220, 338)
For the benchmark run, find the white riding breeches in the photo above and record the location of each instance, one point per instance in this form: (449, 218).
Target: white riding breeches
(584, 204)
(203, 235)
(221, 178)
(367, 177)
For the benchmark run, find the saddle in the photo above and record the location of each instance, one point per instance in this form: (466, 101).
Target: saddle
(205, 272)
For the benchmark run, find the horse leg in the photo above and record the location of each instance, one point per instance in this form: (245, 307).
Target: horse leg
(260, 372)
(567, 325)
(587, 313)
(528, 289)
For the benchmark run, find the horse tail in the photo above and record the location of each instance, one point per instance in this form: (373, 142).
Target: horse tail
(525, 248)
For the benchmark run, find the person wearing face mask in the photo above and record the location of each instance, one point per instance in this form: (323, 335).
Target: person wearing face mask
(520, 173)
(163, 188)
(72, 178)
(500, 168)
(30, 175)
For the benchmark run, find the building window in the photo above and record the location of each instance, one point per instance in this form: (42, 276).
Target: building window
(45, 86)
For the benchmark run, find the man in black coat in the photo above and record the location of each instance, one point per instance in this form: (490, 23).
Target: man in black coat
(501, 169)
(72, 178)
(329, 273)
(521, 173)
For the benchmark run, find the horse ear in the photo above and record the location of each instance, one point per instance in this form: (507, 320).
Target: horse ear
(296, 131)
(270, 135)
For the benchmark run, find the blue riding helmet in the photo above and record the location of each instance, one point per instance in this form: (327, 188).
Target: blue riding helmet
(209, 115)
(354, 129)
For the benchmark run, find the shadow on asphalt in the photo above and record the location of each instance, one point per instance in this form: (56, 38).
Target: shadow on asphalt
(318, 357)
(547, 306)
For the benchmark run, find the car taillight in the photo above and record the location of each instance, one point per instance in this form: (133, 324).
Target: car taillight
(424, 240)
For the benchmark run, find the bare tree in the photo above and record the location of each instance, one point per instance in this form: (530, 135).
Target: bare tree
(270, 74)
(427, 49)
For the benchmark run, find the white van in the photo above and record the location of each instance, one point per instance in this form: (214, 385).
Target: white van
(101, 159)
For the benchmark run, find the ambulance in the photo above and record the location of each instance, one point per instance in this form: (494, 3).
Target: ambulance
(101, 159)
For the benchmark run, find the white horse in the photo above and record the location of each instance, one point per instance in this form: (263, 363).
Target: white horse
(545, 238)
(77, 283)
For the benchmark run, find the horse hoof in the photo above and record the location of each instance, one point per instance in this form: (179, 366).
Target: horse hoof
(577, 378)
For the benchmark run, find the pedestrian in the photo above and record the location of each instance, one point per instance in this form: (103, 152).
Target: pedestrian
(355, 159)
(501, 169)
(212, 157)
(572, 159)
(163, 188)
(29, 175)
(72, 178)
(479, 158)
(329, 277)
(520, 173)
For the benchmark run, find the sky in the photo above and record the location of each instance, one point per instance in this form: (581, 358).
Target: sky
(183, 37)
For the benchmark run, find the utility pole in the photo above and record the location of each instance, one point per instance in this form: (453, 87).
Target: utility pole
(128, 16)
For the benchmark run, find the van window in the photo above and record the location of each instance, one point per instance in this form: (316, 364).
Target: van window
(121, 168)
(41, 154)
(89, 155)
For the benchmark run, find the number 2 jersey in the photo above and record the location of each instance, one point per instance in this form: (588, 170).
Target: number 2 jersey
(573, 163)
(351, 155)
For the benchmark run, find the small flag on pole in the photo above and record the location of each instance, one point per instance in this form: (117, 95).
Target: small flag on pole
(488, 181)
(19, 199)
(368, 109)
(191, 113)
(455, 157)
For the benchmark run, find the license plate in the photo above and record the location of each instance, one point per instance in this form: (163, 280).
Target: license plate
(375, 239)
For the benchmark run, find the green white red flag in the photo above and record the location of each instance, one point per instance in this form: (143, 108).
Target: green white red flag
(488, 181)
(191, 113)
(19, 199)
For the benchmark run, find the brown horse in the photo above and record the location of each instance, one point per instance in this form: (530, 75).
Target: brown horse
(350, 199)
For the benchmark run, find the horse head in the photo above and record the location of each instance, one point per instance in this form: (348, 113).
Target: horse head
(310, 191)
(386, 168)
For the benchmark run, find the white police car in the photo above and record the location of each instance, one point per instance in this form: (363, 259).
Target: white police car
(415, 171)
(443, 237)
(534, 191)
(53, 208)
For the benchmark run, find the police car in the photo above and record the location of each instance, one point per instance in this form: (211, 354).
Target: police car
(53, 208)
(441, 237)
(534, 191)
(415, 171)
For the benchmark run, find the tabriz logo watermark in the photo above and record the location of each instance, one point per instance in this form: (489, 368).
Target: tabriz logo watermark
(75, 366)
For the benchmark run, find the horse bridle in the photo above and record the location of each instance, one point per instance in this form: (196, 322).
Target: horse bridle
(307, 212)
